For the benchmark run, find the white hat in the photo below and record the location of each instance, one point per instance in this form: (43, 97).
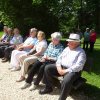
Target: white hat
(56, 35)
(74, 37)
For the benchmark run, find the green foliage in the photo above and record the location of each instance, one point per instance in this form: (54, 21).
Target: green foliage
(25, 14)
(51, 15)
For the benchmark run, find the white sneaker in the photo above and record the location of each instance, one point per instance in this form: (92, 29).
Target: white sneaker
(15, 69)
(10, 68)
(33, 87)
(26, 85)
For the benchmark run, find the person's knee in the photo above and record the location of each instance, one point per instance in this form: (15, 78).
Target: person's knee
(21, 57)
(26, 61)
(68, 78)
(6, 49)
(48, 68)
(14, 51)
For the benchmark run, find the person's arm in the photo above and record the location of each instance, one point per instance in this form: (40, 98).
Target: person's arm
(27, 46)
(46, 52)
(31, 51)
(30, 46)
(20, 40)
(40, 52)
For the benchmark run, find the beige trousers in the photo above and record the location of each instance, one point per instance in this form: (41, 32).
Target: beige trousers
(25, 62)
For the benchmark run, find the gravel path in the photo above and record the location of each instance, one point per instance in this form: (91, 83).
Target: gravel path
(10, 90)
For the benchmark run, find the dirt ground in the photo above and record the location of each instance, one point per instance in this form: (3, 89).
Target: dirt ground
(10, 89)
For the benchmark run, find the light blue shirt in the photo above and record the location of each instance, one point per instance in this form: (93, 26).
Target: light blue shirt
(29, 41)
(17, 39)
(54, 50)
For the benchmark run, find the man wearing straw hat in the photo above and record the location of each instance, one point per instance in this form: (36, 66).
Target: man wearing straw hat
(69, 65)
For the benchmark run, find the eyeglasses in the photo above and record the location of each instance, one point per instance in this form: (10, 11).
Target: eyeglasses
(55, 39)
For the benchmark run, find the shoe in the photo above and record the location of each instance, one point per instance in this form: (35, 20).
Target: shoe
(45, 91)
(26, 85)
(15, 69)
(33, 87)
(5, 60)
(22, 78)
(10, 68)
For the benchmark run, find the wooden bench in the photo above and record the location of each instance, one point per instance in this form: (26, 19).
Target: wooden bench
(87, 67)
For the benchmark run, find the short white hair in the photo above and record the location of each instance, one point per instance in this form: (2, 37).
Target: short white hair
(56, 35)
(33, 30)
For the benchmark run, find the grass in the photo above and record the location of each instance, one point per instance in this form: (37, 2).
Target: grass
(1, 34)
(92, 88)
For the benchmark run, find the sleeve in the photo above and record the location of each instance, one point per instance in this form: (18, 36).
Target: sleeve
(79, 64)
(60, 51)
(44, 45)
(12, 40)
(20, 39)
(34, 42)
(58, 62)
(46, 52)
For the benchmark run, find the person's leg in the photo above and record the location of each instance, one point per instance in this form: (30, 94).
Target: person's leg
(50, 80)
(34, 69)
(41, 72)
(67, 83)
(27, 62)
(22, 58)
(1, 54)
(23, 67)
(87, 43)
(2, 48)
(15, 58)
(7, 52)
(91, 46)
(32, 72)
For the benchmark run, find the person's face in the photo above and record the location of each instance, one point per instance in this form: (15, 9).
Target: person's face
(72, 44)
(9, 32)
(39, 36)
(87, 30)
(55, 41)
(16, 31)
(33, 34)
(5, 30)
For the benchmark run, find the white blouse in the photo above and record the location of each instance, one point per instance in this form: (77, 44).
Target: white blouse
(40, 45)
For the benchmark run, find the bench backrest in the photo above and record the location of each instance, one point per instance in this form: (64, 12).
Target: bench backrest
(88, 65)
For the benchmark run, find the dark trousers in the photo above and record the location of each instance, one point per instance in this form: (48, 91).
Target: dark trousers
(37, 68)
(2, 48)
(91, 46)
(85, 45)
(2, 44)
(50, 75)
(7, 52)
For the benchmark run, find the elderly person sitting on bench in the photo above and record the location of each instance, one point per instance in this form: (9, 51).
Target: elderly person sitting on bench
(69, 65)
